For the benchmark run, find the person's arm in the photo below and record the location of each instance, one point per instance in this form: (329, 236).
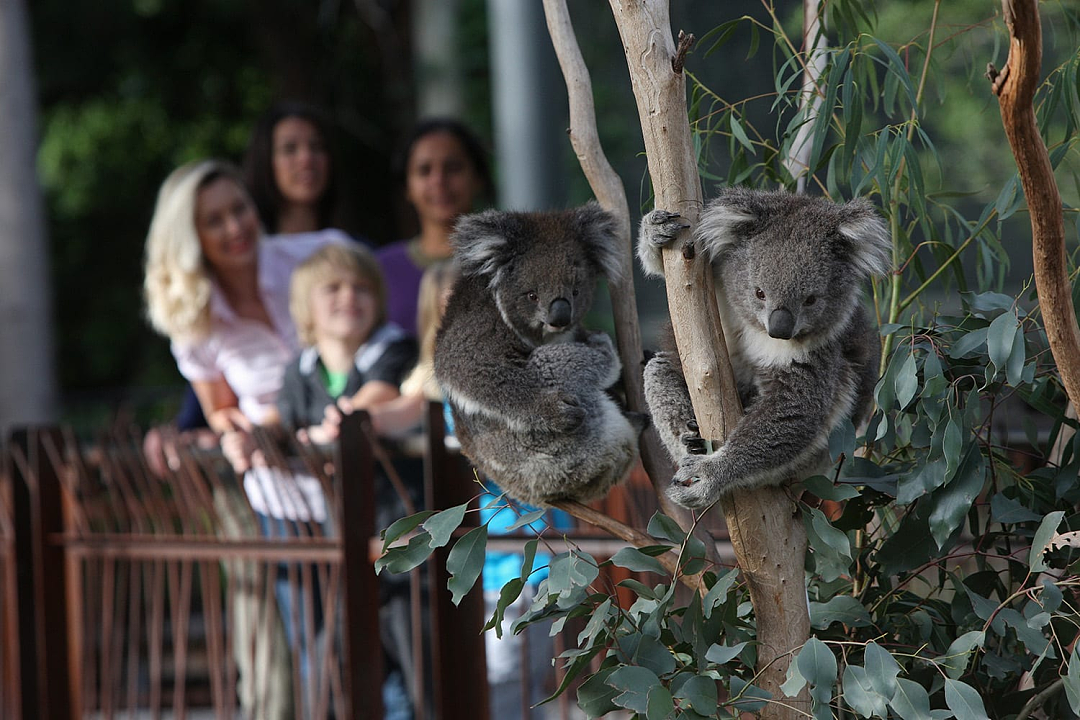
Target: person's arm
(222, 410)
(398, 416)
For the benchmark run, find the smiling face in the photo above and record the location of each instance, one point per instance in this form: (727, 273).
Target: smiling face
(300, 160)
(440, 180)
(227, 225)
(343, 307)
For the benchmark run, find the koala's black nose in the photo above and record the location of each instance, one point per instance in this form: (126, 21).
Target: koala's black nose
(781, 324)
(559, 313)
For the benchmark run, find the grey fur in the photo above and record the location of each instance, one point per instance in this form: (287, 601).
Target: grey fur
(526, 384)
(810, 258)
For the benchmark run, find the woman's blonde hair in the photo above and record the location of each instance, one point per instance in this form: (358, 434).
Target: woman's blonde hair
(353, 259)
(177, 283)
(434, 286)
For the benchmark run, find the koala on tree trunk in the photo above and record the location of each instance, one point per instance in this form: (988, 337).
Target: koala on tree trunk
(527, 385)
(788, 271)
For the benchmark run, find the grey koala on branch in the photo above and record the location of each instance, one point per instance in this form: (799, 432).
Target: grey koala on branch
(789, 271)
(527, 385)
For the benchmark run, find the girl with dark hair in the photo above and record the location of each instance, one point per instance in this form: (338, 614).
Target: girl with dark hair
(444, 170)
(289, 172)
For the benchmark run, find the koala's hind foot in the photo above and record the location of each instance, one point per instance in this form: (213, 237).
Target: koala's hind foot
(698, 482)
(669, 402)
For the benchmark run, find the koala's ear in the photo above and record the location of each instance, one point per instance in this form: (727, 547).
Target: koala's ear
(725, 220)
(870, 248)
(599, 230)
(480, 243)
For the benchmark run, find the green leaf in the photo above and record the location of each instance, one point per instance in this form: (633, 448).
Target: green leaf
(952, 502)
(442, 525)
(951, 445)
(818, 665)
(1026, 632)
(723, 654)
(528, 558)
(465, 561)
(968, 343)
(403, 559)
(403, 526)
(1006, 510)
(911, 701)
(842, 440)
(881, 669)
(907, 382)
(633, 684)
(1072, 682)
(830, 546)
(718, 592)
(527, 519)
(597, 622)
(654, 655)
(637, 561)
(751, 698)
(595, 696)
(663, 527)
(659, 706)
(914, 485)
(999, 339)
(1047, 528)
(860, 695)
(826, 489)
(963, 700)
(1014, 368)
(740, 135)
(568, 571)
(700, 693)
(509, 593)
(955, 659)
(842, 608)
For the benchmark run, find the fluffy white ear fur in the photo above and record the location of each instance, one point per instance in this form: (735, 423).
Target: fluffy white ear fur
(871, 245)
(477, 244)
(716, 230)
(598, 227)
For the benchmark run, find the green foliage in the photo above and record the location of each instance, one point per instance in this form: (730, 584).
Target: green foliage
(932, 577)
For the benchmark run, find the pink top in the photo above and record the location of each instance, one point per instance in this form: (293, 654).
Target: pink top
(250, 355)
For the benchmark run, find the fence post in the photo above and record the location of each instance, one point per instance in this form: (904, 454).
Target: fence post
(459, 665)
(363, 647)
(46, 672)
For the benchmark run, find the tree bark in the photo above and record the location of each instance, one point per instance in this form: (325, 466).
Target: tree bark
(1015, 87)
(767, 535)
(610, 193)
(27, 377)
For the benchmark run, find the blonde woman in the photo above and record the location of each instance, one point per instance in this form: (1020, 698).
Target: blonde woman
(220, 292)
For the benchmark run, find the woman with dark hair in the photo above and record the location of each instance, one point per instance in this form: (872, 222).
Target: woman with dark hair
(289, 172)
(444, 170)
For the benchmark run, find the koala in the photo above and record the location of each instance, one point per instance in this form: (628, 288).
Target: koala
(788, 273)
(526, 384)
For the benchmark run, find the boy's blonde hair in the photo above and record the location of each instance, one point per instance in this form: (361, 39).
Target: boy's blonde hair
(353, 259)
(176, 286)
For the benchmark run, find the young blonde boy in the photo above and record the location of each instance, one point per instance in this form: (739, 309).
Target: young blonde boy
(353, 358)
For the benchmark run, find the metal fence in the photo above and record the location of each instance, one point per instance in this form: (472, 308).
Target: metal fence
(144, 585)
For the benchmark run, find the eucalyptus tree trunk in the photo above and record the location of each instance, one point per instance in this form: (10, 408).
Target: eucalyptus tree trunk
(766, 532)
(1015, 87)
(27, 379)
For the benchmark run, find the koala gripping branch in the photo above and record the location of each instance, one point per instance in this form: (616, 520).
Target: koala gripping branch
(1015, 87)
(768, 538)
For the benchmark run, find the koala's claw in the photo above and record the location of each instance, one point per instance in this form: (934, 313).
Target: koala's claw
(687, 487)
(692, 441)
(663, 226)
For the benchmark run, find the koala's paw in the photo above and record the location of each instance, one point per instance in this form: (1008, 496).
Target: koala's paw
(565, 413)
(661, 227)
(692, 441)
(693, 487)
(601, 342)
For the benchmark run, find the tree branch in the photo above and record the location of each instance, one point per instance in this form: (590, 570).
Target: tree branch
(610, 193)
(766, 533)
(1015, 87)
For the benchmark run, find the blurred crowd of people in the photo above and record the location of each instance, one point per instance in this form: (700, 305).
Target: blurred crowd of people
(279, 320)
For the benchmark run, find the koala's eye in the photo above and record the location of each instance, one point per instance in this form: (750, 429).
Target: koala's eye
(533, 296)
(759, 293)
(575, 293)
(810, 300)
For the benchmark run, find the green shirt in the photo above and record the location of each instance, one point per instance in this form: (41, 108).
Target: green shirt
(332, 381)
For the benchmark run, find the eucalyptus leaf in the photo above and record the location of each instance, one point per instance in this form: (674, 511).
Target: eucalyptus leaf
(955, 659)
(911, 701)
(403, 559)
(595, 696)
(999, 339)
(881, 669)
(1072, 682)
(952, 502)
(403, 526)
(747, 697)
(659, 705)
(907, 382)
(634, 560)
(442, 524)
(1047, 528)
(964, 701)
(825, 489)
(632, 684)
(723, 654)
(860, 695)
(465, 561)
(842, 608)
(663, 527)
(1006, 511)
